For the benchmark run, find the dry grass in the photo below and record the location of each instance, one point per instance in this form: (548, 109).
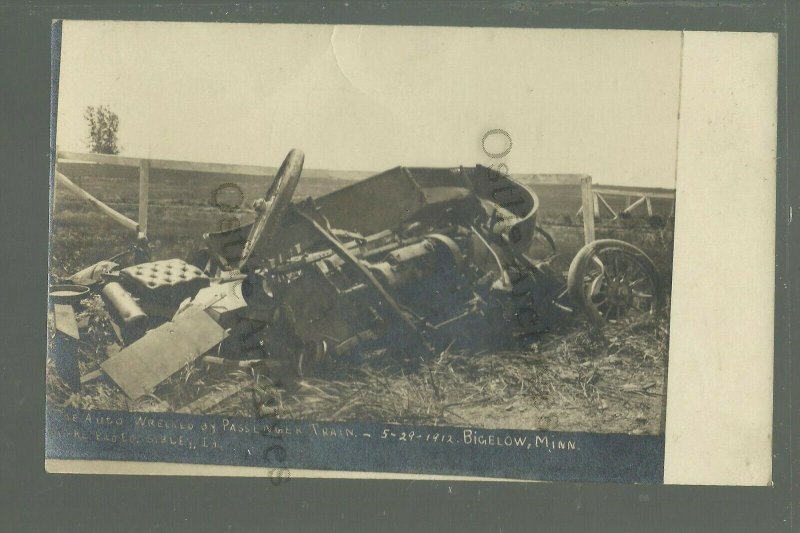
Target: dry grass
(589, 372)
(584, 380)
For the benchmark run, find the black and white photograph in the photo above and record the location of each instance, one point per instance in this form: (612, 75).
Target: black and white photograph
(459, 240)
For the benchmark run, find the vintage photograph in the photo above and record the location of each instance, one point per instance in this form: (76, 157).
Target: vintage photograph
(443, 227)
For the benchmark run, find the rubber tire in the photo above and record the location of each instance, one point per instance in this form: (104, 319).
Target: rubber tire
(577, 292)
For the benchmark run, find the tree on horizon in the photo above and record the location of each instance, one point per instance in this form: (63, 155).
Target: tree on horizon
(103, 127)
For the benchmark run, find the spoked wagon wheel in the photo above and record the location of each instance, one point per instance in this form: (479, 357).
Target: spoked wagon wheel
(611, 279)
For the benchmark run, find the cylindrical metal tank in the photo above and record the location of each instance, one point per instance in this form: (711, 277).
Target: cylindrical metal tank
(125, 305)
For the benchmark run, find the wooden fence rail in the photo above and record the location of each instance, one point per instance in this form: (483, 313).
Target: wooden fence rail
(643, 197)
(80, 164)
(115, 215)
(104, 160)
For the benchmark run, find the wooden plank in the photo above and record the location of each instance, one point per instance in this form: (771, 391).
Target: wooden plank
(214, 398)
(65, 320)
(80, 169)
(91, 376)
(550, 179)
(99, 158)
(587, 204)
(614, 190)
(139, 367)
(634, 205)
(76, 169)
(167, 164)
(144, 188)
(118, 217)
(603, 200)
(649, 205)
(245, 364)
(212, 168)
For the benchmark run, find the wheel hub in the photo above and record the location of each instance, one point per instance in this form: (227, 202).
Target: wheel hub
(618, 292)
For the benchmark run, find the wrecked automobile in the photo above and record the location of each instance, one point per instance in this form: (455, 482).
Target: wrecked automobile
(412, 261)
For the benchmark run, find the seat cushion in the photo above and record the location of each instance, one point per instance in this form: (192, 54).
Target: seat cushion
(165, 282)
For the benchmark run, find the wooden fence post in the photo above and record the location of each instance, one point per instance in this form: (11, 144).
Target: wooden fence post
(587, 202)
(144, 189)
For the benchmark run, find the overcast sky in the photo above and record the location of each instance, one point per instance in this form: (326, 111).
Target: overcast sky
(599, 102)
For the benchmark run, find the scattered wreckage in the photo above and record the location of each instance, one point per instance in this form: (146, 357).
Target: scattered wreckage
(412, 260)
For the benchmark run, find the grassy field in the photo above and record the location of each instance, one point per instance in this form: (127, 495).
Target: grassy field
(178, 216)
(575, 379)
